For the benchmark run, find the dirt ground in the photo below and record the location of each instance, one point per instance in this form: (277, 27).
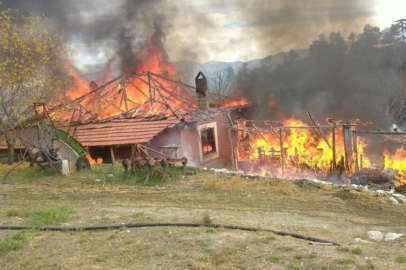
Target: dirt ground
(335, 213)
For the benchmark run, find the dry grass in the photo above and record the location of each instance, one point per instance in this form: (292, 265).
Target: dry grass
(327, 212)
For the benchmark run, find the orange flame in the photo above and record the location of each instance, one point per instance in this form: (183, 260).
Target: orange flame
(304, 150)
(98, 160)
(234, 102)
(397, 162)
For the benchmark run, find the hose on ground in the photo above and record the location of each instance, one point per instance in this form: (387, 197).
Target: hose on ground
(167, 224)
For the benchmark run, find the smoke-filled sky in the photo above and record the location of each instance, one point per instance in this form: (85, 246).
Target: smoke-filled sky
(204, 30)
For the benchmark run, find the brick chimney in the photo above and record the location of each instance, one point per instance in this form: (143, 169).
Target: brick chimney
(201, 91)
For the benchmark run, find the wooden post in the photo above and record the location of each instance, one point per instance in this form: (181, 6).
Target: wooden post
(236, 160)
(355, 138)
(383, 162)
(347, 148)
(112, 154)
(282, 152)
(333, 138)
(150, 90)
(231, 149)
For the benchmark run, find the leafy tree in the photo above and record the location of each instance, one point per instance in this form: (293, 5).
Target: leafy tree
(319, 47)
(291, 56)
(390, 37)
(352, 38)
(31, 69)
(368, 40)
(267, 62)
(337, 44)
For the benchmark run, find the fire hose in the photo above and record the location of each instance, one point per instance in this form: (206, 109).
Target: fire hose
(168, 224)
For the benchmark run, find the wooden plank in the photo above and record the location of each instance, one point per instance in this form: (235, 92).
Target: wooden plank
(112, 155)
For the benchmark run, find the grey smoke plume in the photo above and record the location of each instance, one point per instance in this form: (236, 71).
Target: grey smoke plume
(118, 27)
(199, 30)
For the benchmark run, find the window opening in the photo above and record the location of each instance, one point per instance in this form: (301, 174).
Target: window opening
(208, 140)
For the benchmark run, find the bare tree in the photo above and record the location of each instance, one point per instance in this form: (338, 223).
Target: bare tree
(223, 81)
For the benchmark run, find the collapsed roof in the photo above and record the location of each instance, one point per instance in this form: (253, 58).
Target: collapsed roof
(133, 108)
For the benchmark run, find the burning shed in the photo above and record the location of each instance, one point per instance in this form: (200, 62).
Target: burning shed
(336, 152)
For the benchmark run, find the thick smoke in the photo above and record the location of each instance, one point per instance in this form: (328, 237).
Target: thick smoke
(116, 28)
(199, 30)
(284, 25)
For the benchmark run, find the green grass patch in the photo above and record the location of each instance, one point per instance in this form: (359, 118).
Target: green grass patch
(356, 250)
(112, 236)
(268, 239)
(13, 213)
(49, 215)
(82, 240)
(294, 265)
(275, 258)
(401, 259)
(115, 175)
(344, 249)
(305, 256)
(15, 242)
(140, 217)
(203, 243)
(160, 253)
(210, 230)
(25, 173)
(100, 258)
(286, 248)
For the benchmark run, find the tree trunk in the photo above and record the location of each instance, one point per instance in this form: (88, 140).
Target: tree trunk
(10, 153)
(10, 139)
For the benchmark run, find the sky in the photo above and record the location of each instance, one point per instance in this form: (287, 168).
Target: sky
(205, 30)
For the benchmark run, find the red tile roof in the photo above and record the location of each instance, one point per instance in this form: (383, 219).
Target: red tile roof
(122, 131)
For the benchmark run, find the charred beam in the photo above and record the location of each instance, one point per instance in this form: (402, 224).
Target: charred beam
(394, 133)
(319, 130)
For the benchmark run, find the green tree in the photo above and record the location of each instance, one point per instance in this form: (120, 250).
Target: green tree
(337, 44)
(390, 37)
(320, 47)
(32, 69)
(368, 40)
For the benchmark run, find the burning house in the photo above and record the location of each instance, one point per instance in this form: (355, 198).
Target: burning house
(149, 115)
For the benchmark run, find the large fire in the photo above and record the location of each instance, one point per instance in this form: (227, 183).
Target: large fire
(151, 59)
(293, 149)
(304, 151)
